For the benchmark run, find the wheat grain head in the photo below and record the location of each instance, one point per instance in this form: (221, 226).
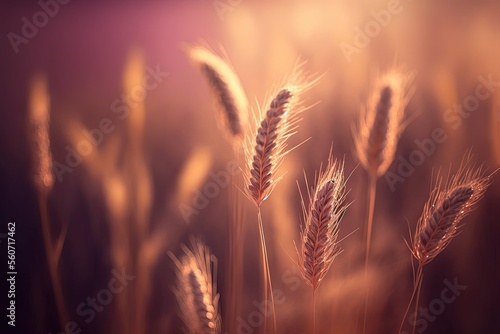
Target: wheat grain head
(230, 97)
(447, 206)
(39, 120)
(196, 289)
(319, 245)
(382, 121)
(266, 146)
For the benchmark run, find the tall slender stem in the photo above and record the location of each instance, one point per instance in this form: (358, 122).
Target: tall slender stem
(417, 282)
(417, 300)
(267, 273)
(236, 246)
(232, 302)
(372, 191)
(52, 260)
(313, 311)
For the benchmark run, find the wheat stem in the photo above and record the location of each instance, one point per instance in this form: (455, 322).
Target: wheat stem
(52, 260)
(313, 311)
(372, 192)
(236, 246)
(416, 281)
(420, 277)
(267, 273)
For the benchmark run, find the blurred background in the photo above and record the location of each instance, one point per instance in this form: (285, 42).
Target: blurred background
(121, 203)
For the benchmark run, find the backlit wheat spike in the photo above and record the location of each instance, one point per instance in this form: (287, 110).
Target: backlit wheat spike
(319, 245)
(440, 221)
(196, 291)
(230, 97)
(266, 144)
(265, 151)
(381, 123)
(39, 119)
(447, 206)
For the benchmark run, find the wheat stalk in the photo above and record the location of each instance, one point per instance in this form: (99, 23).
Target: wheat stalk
(265, 151)
(230, 98)
(196, 289)
(377, 135)
(39, 120)
(319, 245)
(441, 217)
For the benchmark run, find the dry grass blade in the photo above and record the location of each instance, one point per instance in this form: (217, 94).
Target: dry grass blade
(382, 122)
(319, 245)
(230, 97)
(196, 290)
(266, 150)
(447, 206)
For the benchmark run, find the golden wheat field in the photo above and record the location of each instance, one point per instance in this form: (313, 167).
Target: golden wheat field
(250, 167)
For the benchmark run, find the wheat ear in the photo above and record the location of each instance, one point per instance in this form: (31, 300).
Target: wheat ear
(230, 98)
(196, 289)
(377, 135)
(266, 149)
(319, 245)
(443, 212)
(440, 221)
(39, 121)
(382, 121)
(325, 210)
